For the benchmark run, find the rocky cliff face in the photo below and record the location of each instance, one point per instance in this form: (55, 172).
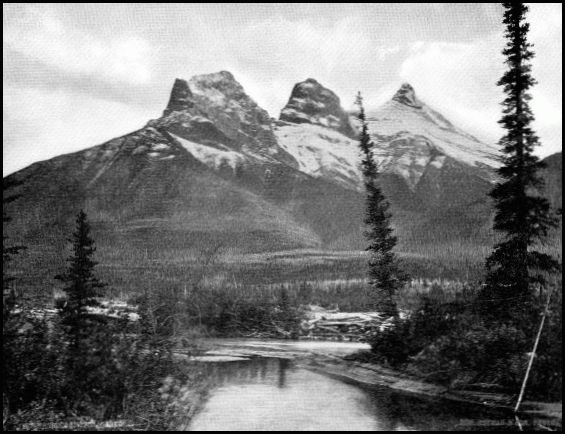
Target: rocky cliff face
(312, 103)
(181, 97)
(214, 110)
(407, 96)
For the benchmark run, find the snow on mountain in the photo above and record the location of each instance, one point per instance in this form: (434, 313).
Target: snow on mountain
(214, 108)
(321, 152)
(215, 121)
(406, 118)
(215, 166)
(212, 157)
(410, 138)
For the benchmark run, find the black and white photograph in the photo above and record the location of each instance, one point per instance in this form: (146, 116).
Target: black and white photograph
(282, 217)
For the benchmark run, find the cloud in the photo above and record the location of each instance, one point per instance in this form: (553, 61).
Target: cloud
(76, 75)
(281, 52)
(459, 79)
(54, 123)
(546, 20)
(39, 34)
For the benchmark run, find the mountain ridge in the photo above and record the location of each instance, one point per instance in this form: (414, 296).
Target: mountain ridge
(215, 169)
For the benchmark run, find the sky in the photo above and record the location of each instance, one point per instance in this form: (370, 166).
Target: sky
(76, 75)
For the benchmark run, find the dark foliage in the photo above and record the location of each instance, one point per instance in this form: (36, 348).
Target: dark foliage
(515, 268)
(547, 373)
(80, 364)
(10, 324)
(429, 321)
(8, 293)
(472, 354)
(82, 287)
(450, 343)
(255, 314)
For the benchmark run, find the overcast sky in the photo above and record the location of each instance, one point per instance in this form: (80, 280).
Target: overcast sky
(76, 75)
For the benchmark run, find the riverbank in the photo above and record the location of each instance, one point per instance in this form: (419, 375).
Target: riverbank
(220, 366)
(329, 358)
(370, 375)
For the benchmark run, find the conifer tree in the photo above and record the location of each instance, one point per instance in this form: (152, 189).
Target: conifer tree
(522, 216)
(82, 287)
(385, 275)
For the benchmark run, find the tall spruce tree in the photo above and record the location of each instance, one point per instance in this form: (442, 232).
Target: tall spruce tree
(385, 275)
(523, 217)
(82, 287)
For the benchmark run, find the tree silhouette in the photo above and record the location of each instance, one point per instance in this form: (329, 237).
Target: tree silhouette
(522, 216)
(82, 287)
(385, 275)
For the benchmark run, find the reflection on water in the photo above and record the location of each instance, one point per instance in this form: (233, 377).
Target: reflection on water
(252, 371)
(273, 394)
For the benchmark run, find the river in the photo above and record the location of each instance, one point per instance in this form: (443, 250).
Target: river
(254, 391)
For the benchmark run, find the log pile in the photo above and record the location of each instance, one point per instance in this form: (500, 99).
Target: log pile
(342, 326)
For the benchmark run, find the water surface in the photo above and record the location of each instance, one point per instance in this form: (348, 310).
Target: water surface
(265, 393)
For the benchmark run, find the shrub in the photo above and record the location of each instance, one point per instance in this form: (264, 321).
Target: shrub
(257, 311)
(547, 371)
(447, 343)
(32, 365)
(474, 354)
(407, 337)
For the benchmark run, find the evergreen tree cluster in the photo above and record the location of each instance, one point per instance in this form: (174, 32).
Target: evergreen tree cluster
(81, 363)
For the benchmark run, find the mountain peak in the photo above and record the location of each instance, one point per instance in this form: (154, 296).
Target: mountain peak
(407, 96)
(181, 97)
(310, 102)
(217, 85)
(215, 77)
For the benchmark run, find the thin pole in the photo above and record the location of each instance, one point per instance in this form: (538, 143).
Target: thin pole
(522, 390)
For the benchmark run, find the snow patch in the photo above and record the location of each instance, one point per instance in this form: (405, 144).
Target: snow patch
(212, 157)
(204, 89)
(438, 162)
(160, 147)
(218, 358)
(322, 152)
(394, 117)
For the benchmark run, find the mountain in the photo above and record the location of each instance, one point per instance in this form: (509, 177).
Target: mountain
(436, 175)
(312, 103)
(216, 170)
(553, 177)
(210, 169)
